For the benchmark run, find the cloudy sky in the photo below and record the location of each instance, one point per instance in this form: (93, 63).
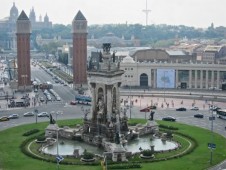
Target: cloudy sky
(197, 13)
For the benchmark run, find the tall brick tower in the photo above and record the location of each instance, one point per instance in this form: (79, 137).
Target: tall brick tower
(23, 33)
(79, 31)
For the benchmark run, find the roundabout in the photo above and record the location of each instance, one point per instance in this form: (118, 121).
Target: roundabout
(169, 160)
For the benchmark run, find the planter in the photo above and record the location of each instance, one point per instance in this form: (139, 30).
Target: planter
(146, 157)
(38, 141)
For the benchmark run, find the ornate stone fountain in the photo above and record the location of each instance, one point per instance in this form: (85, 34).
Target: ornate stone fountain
(106, 128)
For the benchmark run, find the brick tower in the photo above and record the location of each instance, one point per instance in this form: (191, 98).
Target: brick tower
(23, 33)
(79, 31)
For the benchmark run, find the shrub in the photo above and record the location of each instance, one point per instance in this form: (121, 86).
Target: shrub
(87, 155)
(168, 127)
(124, 166)
(41, 138)
(147, 152)
(31, 132)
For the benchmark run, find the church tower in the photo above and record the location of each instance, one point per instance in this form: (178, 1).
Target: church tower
(79, 31)
(23, 33)
(32, 16)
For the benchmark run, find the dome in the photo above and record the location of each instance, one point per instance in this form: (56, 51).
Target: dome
(128, 59)
(14, 11)
(111, 38)
(46, 18)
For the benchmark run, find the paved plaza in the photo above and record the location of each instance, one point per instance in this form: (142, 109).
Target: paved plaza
(171, 103)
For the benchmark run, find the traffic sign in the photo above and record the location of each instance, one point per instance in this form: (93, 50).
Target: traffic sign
(59, 158)
(212, 145)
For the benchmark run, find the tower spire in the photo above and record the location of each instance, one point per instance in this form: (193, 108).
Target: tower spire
(146, 11)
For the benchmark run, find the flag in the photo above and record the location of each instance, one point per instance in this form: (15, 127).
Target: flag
(59, 158)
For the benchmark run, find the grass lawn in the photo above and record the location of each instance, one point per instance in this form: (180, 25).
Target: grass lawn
(11, 158)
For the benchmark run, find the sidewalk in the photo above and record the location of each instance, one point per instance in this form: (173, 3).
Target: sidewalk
(7, 92)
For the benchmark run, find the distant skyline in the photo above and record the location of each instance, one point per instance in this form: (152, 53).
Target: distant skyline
(196, 13)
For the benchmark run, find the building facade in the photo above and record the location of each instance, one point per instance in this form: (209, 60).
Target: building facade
(172, 75)
(8, 27)
(39, 24)
(79, 31)
(23, 33)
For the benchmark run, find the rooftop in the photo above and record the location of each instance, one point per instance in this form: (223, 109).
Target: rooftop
(23, 16)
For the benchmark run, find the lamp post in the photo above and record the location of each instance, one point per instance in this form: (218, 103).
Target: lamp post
(36, 117)
(164, 86)
(129, 100)
(58, 148)
(211, 144)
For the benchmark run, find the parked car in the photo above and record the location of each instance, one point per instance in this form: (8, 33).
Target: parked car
(4, 118)
(199, 115)
(73, 102)
(27, 114)
(195, 108)
(13, 116)
(181, 109)
(169, 118)
(43, 114)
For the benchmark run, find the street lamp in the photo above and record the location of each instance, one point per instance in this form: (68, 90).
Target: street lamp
(129, 100)
(36, 117)
(164, 86)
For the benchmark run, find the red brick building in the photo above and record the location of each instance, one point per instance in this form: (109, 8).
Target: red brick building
(79, 31)
(23, 33)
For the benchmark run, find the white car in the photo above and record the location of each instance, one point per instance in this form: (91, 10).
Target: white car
(194, 108)
(13, 116)
(28, 114)
(43, 114)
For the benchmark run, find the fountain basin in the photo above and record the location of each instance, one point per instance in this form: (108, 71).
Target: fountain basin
(67, 147)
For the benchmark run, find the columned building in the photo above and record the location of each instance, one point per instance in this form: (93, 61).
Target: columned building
(79, 31)
(172, 75)
(23, 33)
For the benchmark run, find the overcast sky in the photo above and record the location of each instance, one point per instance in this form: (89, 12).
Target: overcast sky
(197, 13)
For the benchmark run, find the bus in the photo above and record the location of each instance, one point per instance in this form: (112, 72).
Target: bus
(83, 99)
(221, 113)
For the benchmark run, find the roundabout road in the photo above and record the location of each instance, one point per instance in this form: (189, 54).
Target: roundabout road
(166, 107)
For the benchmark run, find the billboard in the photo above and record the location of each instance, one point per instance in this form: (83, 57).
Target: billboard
(165, 78)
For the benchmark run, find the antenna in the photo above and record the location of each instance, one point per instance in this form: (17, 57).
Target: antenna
(146, 11)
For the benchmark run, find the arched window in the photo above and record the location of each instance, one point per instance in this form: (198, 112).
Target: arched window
(143, 80)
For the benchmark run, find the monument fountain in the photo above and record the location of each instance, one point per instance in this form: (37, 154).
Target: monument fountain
(107, 126)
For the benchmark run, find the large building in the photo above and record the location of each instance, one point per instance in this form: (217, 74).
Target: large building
(8, 27)
(79, 31)
(39, 24)
(23, 33)
(172, 74)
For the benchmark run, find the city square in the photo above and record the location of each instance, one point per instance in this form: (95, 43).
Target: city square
(81, 102)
